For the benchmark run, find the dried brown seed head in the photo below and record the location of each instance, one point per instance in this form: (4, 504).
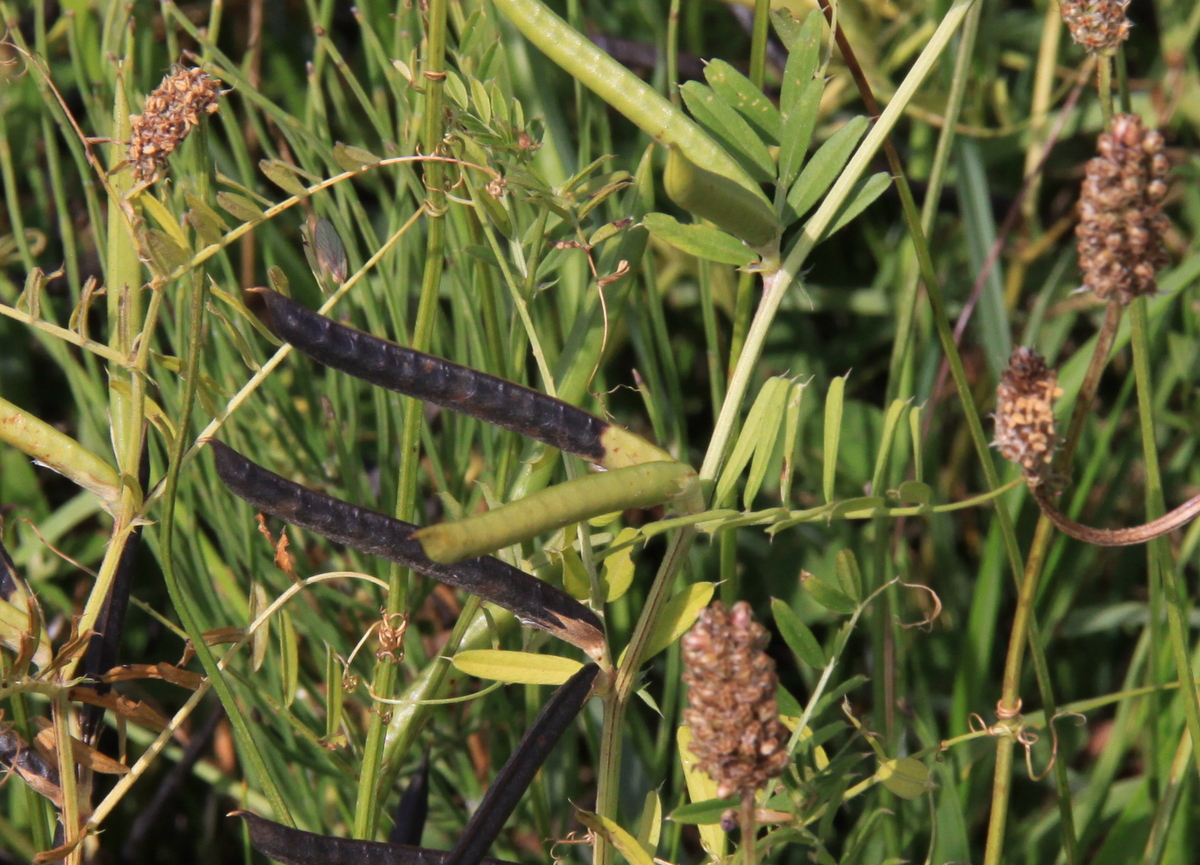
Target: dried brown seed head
(1025, 413)
(1121, 224)
(737, 735)
(1098, 25)
(170, 113)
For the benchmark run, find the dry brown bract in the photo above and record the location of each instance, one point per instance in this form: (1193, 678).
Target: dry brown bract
(737, 735)
(1121, 224)
(169, 114)
(1025, 413)
(1098, 25)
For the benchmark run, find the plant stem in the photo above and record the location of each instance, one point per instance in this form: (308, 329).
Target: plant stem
(758, 47)
(1104, 87)
(1159, 553)
(366, 808)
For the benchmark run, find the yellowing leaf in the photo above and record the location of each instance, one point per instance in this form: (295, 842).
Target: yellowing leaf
(701, 788)
(526, 668)
(629, 847)
(678, 615)
(619, 567)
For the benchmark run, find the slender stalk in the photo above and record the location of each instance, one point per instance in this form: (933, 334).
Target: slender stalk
(673, 54)
(616, 702)
(758, 42)
(1160, 557)
(180, 598)
(1104, 88)
(366, 808)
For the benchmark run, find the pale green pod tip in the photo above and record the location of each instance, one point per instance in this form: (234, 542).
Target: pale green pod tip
(722, 201)
(58, 451)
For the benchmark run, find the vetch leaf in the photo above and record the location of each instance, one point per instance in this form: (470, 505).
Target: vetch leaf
(702, 241)
(730, 129)
(617, 576)
(164, 218)
(283, 176)
(859, 200)
(678, 615)
(739, 91)
(915, 492)
(797, 635)
(822, 170)
(525, 668)
(833, 432)
(826, 595)
(261, 638)
(906, 777)
(290, 656)
(800, 98)
(625, 843)
(890, 422)
(207, 222)
(352, 158)
(766, 412)
(701, 788)
(705, 813)
(239, 206)
(791, 434)
(650, 824)
(849, 575)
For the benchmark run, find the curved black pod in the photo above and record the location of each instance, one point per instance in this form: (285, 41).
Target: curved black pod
(296, 847)
(535, 603)
(429, 378)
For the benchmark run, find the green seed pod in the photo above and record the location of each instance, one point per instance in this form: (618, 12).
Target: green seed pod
(721, 201)
(583, 498)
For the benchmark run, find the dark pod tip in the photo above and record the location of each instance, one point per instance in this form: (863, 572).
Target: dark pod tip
(518, 772)
(256, 301)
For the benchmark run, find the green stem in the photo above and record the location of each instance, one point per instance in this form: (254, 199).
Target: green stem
(616, 702)
(758, 47)
(385, 679)
(1104, 88)
(1159, 552)
(180, 598)
(673, 54)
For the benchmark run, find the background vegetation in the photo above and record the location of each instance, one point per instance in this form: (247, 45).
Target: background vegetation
(328, 88)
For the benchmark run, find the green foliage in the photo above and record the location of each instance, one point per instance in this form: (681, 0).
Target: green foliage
(544, 251)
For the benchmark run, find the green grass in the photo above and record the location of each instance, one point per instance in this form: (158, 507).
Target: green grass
(507, 285)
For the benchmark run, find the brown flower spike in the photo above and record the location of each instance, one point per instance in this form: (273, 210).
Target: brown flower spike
(1098, 25)
(737, 735)
(1121, 224)
(170, 113)
(1025, 414)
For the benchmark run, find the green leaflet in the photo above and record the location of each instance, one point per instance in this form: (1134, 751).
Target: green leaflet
(799, 98)
(552, 508)
(797, 635)
(634, 852)
(678, 615)
(865, 192)
(833, 432)
(730, 129)
(702, 241)
(527, 668)
(758, 432)
(738, 91)
(823, 169)
(701, 788)
(890, 423)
